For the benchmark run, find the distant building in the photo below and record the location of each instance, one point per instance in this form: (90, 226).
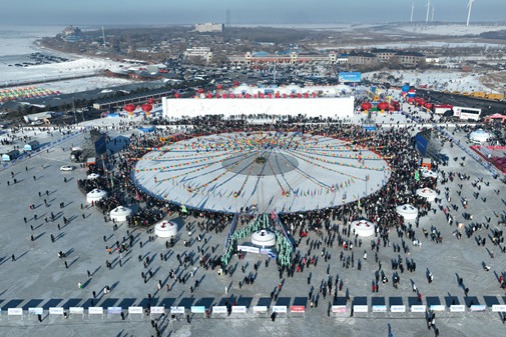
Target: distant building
(384, 54)
(403, 58)
(409, 59)
(204, 53)
(71, 30)
(71, 34)
(432, 60)
(117, 73)
(290, 57)
(39, 118)
(362, 58)
(209, 27)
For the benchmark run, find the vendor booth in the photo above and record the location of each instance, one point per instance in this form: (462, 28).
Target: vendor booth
(363, 228)
(166, 229)
(96, 195)
(120, 213)
(479, 136)
(263, 238)
(407, 211)
(427, 193)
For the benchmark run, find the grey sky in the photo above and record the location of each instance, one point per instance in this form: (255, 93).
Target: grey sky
(104, 12)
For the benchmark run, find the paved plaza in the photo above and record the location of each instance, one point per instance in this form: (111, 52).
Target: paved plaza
(37, 278)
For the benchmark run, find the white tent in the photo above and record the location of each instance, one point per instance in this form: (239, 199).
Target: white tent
(263, 238)
(409, 212)
(427, 193)
(120, 213)
(479, 136)
(96, 195)
(166, 229)
(362, 228)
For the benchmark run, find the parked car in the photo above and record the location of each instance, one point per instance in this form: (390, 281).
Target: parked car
(66, 168)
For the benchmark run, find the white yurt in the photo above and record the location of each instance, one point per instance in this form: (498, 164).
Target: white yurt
(263, 238)
(409, 212)
(363, 228)
(120, 213)
(166, 229)
(96, 195)
(427, 193)
(479, 136)
(426, 173)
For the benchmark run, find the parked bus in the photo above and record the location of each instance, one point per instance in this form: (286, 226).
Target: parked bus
(465, 113)
(441, 109)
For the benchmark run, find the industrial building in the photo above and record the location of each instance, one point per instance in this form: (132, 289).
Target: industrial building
(209, 27)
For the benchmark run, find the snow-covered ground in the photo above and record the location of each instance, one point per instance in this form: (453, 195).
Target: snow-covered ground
(83, 66)
(19, 40)
(84, 84)
(452, 29)
(417, 44)
(435, 79)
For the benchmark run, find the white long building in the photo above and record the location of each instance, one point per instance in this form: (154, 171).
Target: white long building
(324, 107)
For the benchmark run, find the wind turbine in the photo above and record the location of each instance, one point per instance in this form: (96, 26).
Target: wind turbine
(428, 5)
(412, 10)
(469, 7)
(433, 9)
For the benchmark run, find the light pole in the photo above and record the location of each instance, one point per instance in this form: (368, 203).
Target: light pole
(366, 180)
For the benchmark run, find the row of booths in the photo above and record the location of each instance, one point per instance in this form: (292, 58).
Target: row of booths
(14, 154)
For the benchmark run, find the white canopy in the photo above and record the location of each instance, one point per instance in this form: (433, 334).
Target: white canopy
(479, 136)
(96, 195)
(409, 212)
(120, 213)
(427, 193)
(166, 229)
(363, 228)
(426, 173)
(263, 238)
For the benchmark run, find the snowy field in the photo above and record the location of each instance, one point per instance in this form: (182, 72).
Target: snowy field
(54, 71)
(417, 44)
(435, 79)
(450, 29)
(85, 84)
(18, 42)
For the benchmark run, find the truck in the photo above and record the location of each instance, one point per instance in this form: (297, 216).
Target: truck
(479, 94)
(495, 97)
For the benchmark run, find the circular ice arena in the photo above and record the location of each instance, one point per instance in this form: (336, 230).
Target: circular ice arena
(283, 172)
